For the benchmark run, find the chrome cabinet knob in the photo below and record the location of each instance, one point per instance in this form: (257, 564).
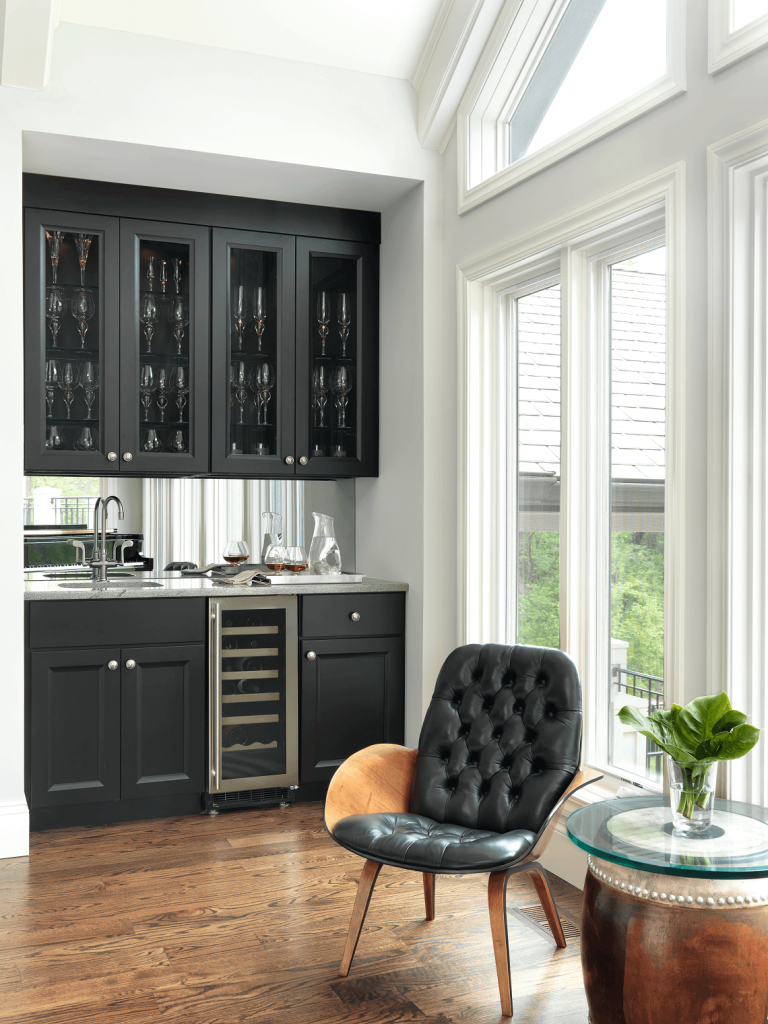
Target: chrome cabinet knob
(112, 456)
(289, 460)
(112, 666)
(311, 655)
(355, 616)
(303, 460)
(130, 663)
(127, 456)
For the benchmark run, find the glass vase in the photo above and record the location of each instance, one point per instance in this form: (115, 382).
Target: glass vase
(324, 554)
(692, 796)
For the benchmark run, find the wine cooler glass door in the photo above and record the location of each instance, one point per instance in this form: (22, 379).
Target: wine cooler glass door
(254, 694)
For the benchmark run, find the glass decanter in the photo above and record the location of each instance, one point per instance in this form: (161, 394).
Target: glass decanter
(272, 527)
(324, 554)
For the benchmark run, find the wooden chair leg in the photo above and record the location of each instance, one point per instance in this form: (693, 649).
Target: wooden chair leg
(429, 895)
(365, 885)
(539, 879)
(497, 907)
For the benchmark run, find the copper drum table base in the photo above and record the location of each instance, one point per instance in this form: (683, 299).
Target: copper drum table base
(667, 949)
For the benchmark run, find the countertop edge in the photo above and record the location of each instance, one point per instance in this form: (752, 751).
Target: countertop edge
(197, 587)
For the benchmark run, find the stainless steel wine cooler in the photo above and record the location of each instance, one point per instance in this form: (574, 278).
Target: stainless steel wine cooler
(254, 695)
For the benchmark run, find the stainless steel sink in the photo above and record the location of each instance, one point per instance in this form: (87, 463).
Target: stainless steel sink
(109, 585)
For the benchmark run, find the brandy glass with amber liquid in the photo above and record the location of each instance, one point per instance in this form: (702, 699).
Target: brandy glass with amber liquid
(296, 559)
(275, 557)
(236, 551)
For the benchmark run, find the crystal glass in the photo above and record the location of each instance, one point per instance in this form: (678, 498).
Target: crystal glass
(238, 382)
(178, 441)
(151, 271)
(83, 308)
(321, 385)
(176, 274)
(146, 386)
(272, 528)
(341, 384)
(163, 274)
(691, 795)
(149, 314)
(275, 557)
(53, 380)
(87, 440)
(240, 314)
(68, 385)
(82, 244)
(89, 382)
(55, 307)
(180, 384)
(236, 551)
(55, 238)
(178, 318)
(53, 439)
(296, 559)
(161, 388)
(259, 313)
(323, 318)
(262, 380)
(150, 442)
(324, 554)
(343, 316)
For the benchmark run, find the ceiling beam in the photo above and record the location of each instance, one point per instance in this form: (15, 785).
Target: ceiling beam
(26, 42)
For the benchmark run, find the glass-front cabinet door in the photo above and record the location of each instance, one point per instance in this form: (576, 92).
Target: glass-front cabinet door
(337, 361)
(164, 302)
(253, 354)
(71, 350)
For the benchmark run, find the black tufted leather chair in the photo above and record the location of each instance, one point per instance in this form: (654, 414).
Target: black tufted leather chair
(497, 758)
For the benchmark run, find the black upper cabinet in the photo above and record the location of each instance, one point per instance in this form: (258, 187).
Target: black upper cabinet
(254, 365)
(337, 358)
(164, 365)
(71, 342)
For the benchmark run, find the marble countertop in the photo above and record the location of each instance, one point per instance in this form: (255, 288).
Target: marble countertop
(176, 585)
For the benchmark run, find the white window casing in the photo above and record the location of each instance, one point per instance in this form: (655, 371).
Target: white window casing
(727, 45)
(519, 38)
(573, 245)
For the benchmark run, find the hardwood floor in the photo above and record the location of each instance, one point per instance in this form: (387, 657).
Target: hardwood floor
(243, 917)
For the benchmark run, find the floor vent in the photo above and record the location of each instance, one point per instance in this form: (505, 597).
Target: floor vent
(251, 798)
(535, 915)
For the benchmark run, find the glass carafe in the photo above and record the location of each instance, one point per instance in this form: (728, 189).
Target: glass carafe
(324, 554)
(272, 526)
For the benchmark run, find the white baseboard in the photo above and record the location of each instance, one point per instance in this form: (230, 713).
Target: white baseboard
(565, 859)
(14, 830)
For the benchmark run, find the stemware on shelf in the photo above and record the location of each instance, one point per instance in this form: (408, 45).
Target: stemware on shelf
(176, 274)
(53, 438)
(344, 317)
(89, 382)
(55, 238)
(150, 442)
(83, 308)
(323, 318)
(296, 559)
(180, 384)
(259, 314)
(321, 384)
(178, 441)
(239, 380)
(55, 307)
(68, 384)
(236, 551)
(163, 274)
(53, 379)
(161, 387)
(262, 380)
(82, 244)
(341, 385)
(240, 315)
(151, 271)
(148, 315)
(146, 386)
(178, 318)
(87, 440)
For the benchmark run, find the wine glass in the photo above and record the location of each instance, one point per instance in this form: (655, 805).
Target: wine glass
(323, 318)
(161, 387)
(55, 307)
(259, 313)
(321, 384)
(163, 274)
(341, 385)
(68, 384)
(178, 318)
(87, 440)
(275, 557)
(240, 315)
(52, 381)
(53, 439)
(344, 317)
(178, 441)
(296, 559)
(82, 244)
(180, 384)
(176, 274)
(239, 379)
(89, 382)
(83, 308)
(148, 315)
(146, 384)
(262, 380)
(151, 271)
(55, 238)
(150, 442)
(236, 551)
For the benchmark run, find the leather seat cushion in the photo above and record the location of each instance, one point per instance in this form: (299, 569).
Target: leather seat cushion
(413, 841)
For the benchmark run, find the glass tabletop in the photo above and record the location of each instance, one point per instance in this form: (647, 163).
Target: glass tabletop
(637, 832)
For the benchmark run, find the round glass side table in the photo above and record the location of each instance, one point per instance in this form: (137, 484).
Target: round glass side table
(673, 930)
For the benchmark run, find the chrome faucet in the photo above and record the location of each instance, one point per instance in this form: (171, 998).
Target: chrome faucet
(99, 562)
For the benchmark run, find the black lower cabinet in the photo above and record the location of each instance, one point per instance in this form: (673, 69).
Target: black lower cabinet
(352, 695)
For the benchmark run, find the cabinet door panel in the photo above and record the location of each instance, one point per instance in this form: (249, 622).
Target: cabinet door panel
(351, 696)
(74, 727)
(163, 720)
(164, 348)
(337, 358)
(71, 361)
(252, 403)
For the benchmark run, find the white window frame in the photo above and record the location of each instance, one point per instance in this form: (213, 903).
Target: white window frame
(728, 45)
(514, 48)
(737, 511)
(575, 243)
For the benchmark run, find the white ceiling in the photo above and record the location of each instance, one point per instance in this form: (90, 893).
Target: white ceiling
(380, 38)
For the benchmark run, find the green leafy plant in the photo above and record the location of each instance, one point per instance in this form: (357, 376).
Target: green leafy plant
(696, 736)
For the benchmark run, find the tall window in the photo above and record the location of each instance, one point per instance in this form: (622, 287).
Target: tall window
(746, 11)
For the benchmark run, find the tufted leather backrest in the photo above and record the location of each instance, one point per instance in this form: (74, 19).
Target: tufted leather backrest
(501, 738)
